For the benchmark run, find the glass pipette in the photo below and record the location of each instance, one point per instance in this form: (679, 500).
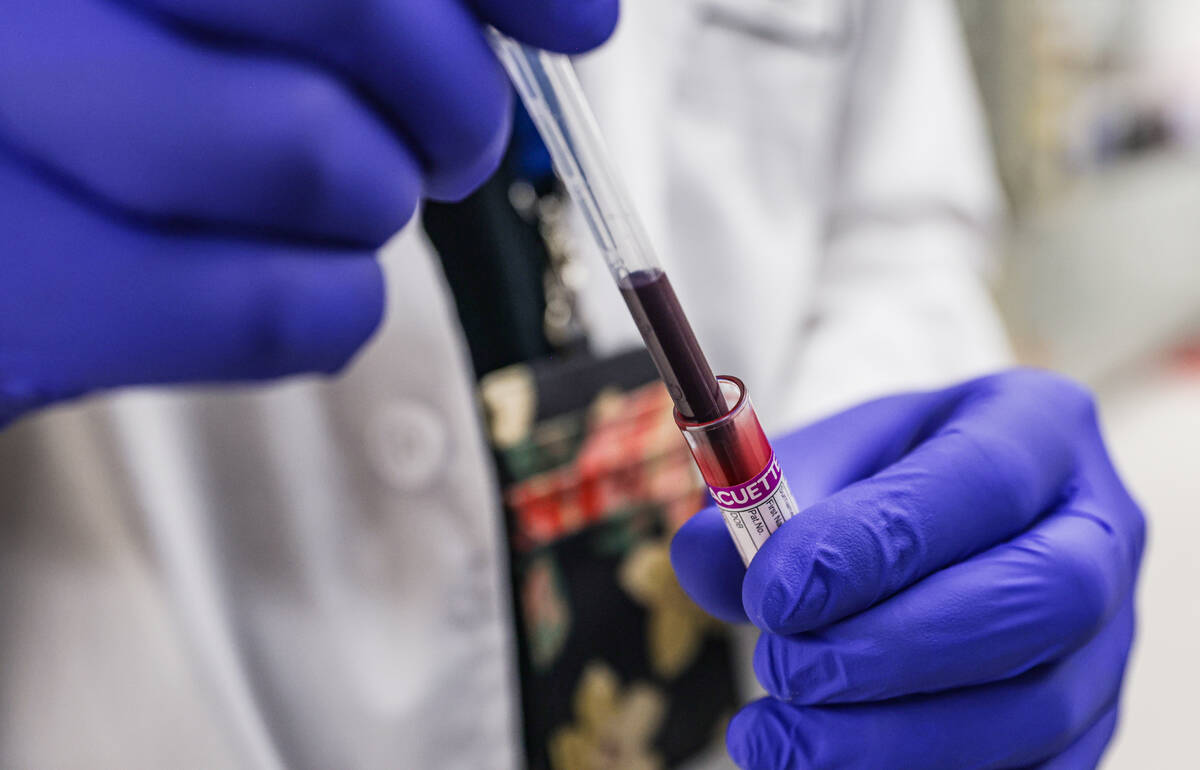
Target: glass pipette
(714, 413)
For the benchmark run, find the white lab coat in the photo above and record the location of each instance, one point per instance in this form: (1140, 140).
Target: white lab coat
(310, 574)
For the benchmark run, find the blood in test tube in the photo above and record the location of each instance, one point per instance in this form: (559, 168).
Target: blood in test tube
(716, 417)
(672, 344)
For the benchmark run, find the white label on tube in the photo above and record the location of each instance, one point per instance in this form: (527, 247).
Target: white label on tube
(754, 510)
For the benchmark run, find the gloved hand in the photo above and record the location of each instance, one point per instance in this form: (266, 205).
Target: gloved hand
(956, 592)
(191, 190)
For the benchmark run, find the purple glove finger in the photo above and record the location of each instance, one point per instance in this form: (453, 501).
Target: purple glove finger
(1006, 724)
(157, 126)
(1000, 460)
(1014, 607)
(191, 309)
(850, 446)
(424, 63)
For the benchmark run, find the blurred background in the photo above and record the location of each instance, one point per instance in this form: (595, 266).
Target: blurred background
(1094, 108)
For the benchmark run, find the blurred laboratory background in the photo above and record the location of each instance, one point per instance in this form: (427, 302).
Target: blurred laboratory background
(1094, 108)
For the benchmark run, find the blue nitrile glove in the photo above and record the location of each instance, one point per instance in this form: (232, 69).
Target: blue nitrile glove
(956, 592)
(192, 190)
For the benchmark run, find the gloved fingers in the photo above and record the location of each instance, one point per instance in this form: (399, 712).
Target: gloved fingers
(708, 566)
(1006, 724)
(818, 459)
(156, 126)
(1017, 606)
(133, 307)
(1004, 457)
(425, 63)
(1085, 753)
(567, 26)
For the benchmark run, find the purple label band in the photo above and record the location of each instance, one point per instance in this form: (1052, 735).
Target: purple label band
(753, 492)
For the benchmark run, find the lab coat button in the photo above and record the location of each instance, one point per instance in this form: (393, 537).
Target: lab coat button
(408, 444)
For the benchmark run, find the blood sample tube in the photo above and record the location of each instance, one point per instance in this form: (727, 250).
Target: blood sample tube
(714, 413)
(740, 468)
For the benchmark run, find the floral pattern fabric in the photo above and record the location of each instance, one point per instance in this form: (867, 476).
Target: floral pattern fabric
(619, 669)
